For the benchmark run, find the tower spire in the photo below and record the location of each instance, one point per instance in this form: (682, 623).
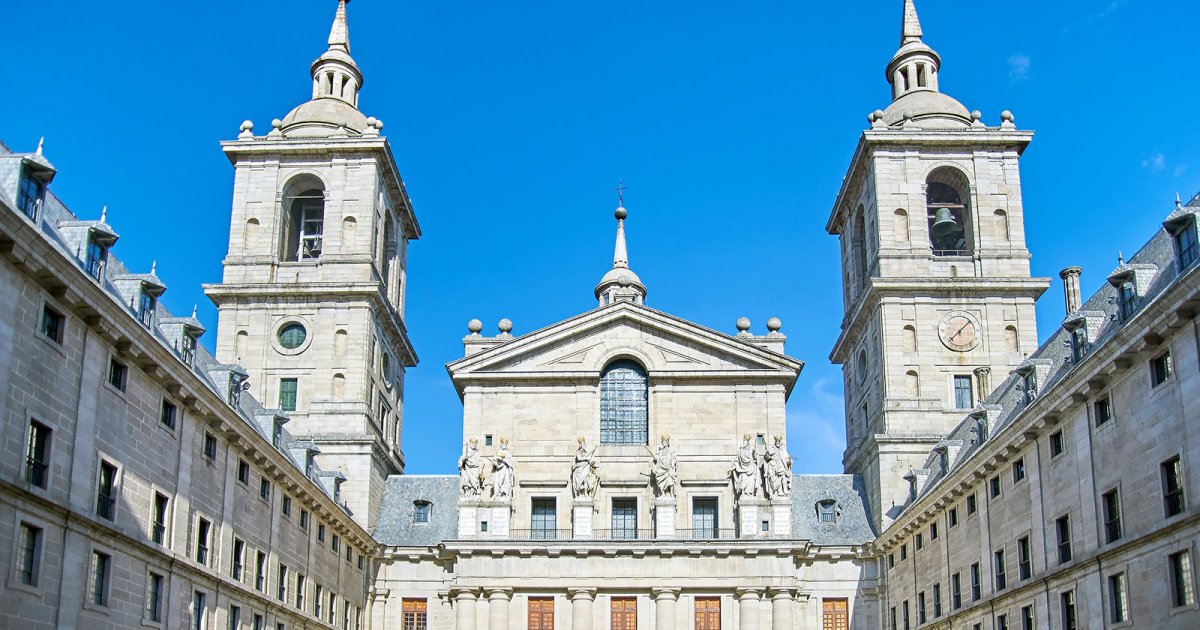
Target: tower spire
(910, 30)
(620, 255)
(339, 34)
(620, 283)
(335, 75)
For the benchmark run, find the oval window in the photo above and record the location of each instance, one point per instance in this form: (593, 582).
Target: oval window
(292, 335)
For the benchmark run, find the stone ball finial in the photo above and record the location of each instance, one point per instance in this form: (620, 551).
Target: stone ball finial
(276, 124)
(621, 213)
(871, 117)
(505, 326)
(247, 125)
(474, 326)
(378, 124)
(743, 324)
(371, 121)
(976, 114)
(1006, 116)
(908, 115)
(774, 324)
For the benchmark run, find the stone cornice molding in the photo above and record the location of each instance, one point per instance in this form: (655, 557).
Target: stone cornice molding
(665, 593)
(581, 594)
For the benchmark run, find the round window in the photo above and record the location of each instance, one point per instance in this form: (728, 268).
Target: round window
(292, 335)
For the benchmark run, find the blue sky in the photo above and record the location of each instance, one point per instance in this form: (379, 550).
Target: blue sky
(731, 123)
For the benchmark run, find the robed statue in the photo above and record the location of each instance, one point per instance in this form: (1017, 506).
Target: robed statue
(777, 470)
(585, 475)
(503, 474)
(664, 471)
(745, 470)
(470, 470)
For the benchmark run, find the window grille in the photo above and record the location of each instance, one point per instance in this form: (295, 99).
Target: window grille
(623, 404)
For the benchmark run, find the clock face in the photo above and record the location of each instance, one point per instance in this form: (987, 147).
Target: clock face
(959, 331)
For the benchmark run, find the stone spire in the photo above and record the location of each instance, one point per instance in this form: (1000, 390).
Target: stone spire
(620, 283)
(335, 75)
(913, 75)
(620, 255)
(910, 30)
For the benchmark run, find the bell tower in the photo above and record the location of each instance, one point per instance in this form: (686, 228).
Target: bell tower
(311, 303)
(936, 283)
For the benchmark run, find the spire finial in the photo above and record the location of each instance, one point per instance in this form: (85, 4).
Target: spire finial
(621, 188)
(103, 214)
(910, 30)
(41, 142)
(339, 34)
(620, 255)
(154, 267)
(1120, 259)
(1178, 202)
(193, 311)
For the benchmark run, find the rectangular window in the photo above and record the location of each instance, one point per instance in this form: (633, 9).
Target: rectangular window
(1024, 559)
(106, 491)
(892, 618)
(31, 194)
(964, 397)
(1067, 602)
(1186, 249)
(243, 471)
(545, 519)
(1018, 471)
(37, 454)
(100, 574)
(154, 595)
(287, 394)
(956, 591)
(1062, 528)
(335, 543)
(320, 532)
(920, 542)
(624, 518)
(1027, 618)
(30, 561)
(146, 304)
(1118, 598)
(235, 617)
(1160, 369)
(299, 591)
(158, 527)
(921, 617)
(541, 613)
(1181, 579)
(203, 536)
(118, 374)
(260, 571)
(199, 611)
(1172, 484)
(976, 590)
(264, 489)
(704, 517)
(97, 253)
(303, 518)
(281, 582)
(1001, 576)
(835, 615)
(167, 414)
(994, 484)
(52, 324)
(1002, 622)
(257, 623)
(903, 552)
(891, 561)
(285, 505)
(906, 624)
(238, 560)
(933, 531)
(1112, 516)
(1079, 343)
(210, 445)
(421, 511)
(623, 613)
(937, 600)
(1056, 444)
(1103, 409)
(952, 517)
(317, 600)
(971, 504)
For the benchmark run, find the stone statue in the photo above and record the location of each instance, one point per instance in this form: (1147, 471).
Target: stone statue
(503, 473)
(745, 470)
(585, 475)
(777, 470)
(470, 470)
(664, 472)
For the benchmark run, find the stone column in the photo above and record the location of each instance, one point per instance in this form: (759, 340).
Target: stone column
(664, 517)
(984, 376)
(581, 607)
(498, 608)
(464, 609)
(1071, 294)
(781, 608)
(581, 518)
(748, 603)
(664, 607)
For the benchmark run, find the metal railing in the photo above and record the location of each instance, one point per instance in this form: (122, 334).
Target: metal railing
(35, 472)
(611, 534)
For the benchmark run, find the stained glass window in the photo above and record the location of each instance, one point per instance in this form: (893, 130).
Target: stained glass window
(623, 404)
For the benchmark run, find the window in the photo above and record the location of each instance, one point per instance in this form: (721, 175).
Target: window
(1024, 559)
(332, 608)
(285, 505)
(306, 223)
(1062, 528)
(921, 617)
(487, 440)
(118, 374)
(892, 618)
(994, 484)
(704, 517)
(1103, 409)
(203, 534)
(1181, 579)
(1027, 618)
(891, 561)
(624, 519)
(1018, 470)
(906, 624)
(235, 617)
(317, 600)
(835, 615)
(1067, 601)
(210, 445)
(199, 611)
(52, 324)
(1112, 516)
(1079, 342)
(421, 511)
(971, 504)
(946, 195)
(187, 350)
(541, 613)
(933, 531)
(243, 471)
(1029, 385)
(158, 525)
(1127, 298)
(827, 511)
(320, 532)
(623, 613)
(167, 413)
(1186, 249)
(287, 394)
(260, 571)
(239, 559)
(623, 404)
(106, 491)
(276, 434)
(97, 254)
(335, 543)
(964, 397)
(903, 552)
(257, 622)
(299, 591)
(37, 454)
(545, 519)
(303, 518)
(29, 562)
(146, 304)
(1002, 622)
(281, 582)
(1172, 484)
(31, 194)
(1001, 577)
(154, 597)
(937, 600)
(952, 517)
(100, 574)
(956, 591)
(920, 543)
(1118, 599)
(1160, 369)
(264, 489)
(1056, 444)
(292, 335)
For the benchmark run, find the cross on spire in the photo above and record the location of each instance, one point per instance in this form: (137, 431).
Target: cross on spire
(621, 188)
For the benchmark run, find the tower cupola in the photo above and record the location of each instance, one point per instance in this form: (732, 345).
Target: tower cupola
(620, 283)
(913, 75)
(335, 75)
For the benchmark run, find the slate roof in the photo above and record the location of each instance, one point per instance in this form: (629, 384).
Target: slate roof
(396, 527)
(853, 527)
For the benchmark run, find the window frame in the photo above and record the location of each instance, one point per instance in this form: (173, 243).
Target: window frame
(108, 488)
(1000, 573)
(1062, 533)
(52, 325)
(1181, 572)
(1162, 370)
(1110, 504)
(39, 446)
(1173, 487)
(118, 375)
(1118, 598)
(624, 398)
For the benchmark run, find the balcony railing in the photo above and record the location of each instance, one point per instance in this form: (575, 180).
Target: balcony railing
(617, 535)
(35, 472)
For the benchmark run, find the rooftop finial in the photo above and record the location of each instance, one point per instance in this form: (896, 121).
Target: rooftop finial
(620, 283)
(1178, 202)
(339, 34)
(42, 141)
(621, 188)
(620, 255)
(910, 31)
(193, 311)
(103, 214)
(1120, 259)
(154, 267)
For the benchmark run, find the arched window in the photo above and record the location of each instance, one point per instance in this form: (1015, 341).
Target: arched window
(947, 194)
(858, 247)
(304, 219)
(623, 404)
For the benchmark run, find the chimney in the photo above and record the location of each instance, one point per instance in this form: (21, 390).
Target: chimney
(1070, 277)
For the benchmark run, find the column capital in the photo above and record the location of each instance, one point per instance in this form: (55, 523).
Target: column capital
(379, 593)
(498, 593)
(786, 592)
(665, 593)
(748, 593)
(580, 593)
(463, 594)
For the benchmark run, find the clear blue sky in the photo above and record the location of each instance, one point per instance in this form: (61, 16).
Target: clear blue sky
(731, 123)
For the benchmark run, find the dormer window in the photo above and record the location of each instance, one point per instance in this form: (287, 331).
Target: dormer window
(1029, 385)
(827, 511)
(421, 512)
(31, 194)
(187, 349)
(276, 433)
(146, 304)
(1187, 251)
(1127, 297)
(97, 256)
(1079, 340)
(237, 383)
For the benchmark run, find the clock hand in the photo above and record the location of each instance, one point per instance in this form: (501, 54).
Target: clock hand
(964, 327)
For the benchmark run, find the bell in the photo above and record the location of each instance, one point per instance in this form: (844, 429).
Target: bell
(943, 222)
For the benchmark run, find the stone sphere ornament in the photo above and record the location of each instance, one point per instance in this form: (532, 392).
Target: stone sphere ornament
(621, 213)
(474, 326)
(774, 324)
(743, 324)
(505, 326)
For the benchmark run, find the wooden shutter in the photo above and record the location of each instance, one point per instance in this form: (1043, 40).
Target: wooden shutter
(624, 613)
(414, 614)
(708, 613)
(835, 614)
(541, 613)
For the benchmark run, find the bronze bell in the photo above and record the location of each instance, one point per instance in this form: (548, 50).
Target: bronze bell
(943, 222)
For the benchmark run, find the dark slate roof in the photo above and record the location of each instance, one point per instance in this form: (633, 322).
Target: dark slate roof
(852, 526)
(396, 528)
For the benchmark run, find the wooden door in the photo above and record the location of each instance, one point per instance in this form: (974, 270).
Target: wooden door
(624, 613)
(835, 614)
(541, 613)
(708, 613)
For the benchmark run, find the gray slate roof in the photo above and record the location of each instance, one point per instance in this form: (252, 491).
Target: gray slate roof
(852, 526)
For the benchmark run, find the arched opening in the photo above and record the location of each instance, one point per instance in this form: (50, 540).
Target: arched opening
(900, 225)
(858, 246)
(624, 403)
(250, 236)
(241, 344)
(912, 384)
(1000, 221)
(304, 219)
(1011, 343)
(339, 386)
(910, 338)
(947, 197)
(339, 342)
(349, 233)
